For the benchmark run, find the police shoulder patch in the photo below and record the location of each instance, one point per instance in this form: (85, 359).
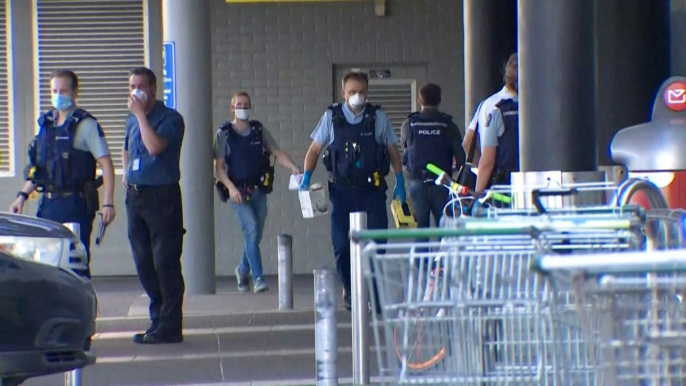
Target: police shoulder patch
(100, 131)
(488, 119)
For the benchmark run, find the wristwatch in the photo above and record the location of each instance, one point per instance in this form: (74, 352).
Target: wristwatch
(23, 194)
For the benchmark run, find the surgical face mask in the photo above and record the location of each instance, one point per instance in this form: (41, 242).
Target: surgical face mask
(142, 96)
(242, 114)
(62, 102)
(356, 101)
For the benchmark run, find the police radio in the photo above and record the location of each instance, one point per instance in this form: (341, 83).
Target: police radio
(267, 176)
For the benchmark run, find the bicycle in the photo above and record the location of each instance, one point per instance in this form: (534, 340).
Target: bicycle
(434, 286)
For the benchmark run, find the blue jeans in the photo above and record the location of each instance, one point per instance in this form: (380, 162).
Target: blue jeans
(252, 213)
(427, 199)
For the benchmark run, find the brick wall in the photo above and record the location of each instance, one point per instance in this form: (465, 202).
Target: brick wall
(284, 56)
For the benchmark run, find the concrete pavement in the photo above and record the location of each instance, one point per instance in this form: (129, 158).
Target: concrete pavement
(231, 338)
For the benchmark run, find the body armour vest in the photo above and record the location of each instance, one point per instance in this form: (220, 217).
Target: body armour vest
(56, 165)
(354, 157)
(429, 144)
(507, 155)
(246, 154)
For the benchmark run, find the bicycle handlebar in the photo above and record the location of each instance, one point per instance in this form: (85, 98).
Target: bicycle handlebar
(456, 188)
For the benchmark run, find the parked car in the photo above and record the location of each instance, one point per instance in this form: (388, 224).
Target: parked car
(47, 311)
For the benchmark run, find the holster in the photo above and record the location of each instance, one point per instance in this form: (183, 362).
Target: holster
(466, 176)
(222, 191)
(90, 194)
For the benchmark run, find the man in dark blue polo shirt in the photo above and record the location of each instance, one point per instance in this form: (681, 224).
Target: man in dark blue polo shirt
(152, 152)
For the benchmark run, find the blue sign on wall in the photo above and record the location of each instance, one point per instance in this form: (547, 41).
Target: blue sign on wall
(169, 73)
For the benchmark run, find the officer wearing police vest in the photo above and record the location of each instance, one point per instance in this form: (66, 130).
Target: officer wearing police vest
(498, 128)
(63, 158)
(245, 176)
(361, 146)
(429, 136)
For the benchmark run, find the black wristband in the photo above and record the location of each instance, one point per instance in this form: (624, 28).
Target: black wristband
(108, 206)
(23, 194)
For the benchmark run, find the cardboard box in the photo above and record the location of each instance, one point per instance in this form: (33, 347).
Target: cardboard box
(313, 202)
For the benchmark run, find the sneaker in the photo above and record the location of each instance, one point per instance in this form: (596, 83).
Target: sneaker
(243, 280)
(260, 285)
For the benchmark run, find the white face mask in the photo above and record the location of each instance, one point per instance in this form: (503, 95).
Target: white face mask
(356, 101)
(137, 93)
(242, 114)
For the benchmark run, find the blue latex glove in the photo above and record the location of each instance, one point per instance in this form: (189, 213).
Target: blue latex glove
(399, 190)
(306, 180)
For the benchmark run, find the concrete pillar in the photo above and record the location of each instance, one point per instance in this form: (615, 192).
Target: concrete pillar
(678, 36)
(152, 11)
(187, 24)
(632, 61)
(23, 91)
(557, 122)
(490, 36)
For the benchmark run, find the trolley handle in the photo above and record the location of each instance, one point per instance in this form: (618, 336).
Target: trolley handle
(549, 192)
(445, 180)
(619, 263)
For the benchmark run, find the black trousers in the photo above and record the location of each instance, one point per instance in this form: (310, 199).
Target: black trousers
(156, 233)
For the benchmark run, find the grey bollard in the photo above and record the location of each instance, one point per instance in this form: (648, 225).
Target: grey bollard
(360, 315)
(285, 272)
(74, 377)
(325, 333)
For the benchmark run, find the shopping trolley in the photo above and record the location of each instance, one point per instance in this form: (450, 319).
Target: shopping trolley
(444, 324)
(466, 309)
(630, 307)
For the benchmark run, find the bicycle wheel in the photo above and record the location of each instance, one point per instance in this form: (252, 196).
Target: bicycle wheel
(422, 344)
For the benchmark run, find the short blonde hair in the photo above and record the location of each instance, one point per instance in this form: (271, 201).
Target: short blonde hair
(240, 94)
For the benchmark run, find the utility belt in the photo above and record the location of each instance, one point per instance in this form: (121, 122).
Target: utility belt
(246, 189)
(375, 180)
(501, 177)
(422, 175)
(89, 192)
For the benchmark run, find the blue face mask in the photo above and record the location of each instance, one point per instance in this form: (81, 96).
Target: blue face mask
(62, 102)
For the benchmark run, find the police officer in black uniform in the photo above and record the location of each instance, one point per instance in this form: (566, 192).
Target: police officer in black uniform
(242, 152)
(63, 158)
(429, 136)
(361, 147)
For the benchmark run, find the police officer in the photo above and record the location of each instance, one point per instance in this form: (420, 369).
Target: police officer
(63, 159)
(429, 136)
(361, 145)
(242, 151)
(152, 151)
(497, 123)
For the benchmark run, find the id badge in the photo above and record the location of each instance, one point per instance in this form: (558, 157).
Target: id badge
(136, 164)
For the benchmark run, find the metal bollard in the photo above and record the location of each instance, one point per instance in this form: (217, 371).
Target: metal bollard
(325, 333)
(360, 316)
(285, 272)
(74, 377)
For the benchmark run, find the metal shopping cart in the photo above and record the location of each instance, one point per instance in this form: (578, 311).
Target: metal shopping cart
(630, 306)
(465, 310)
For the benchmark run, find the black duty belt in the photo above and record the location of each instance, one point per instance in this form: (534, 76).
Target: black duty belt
(139, 188)
(53, 195)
